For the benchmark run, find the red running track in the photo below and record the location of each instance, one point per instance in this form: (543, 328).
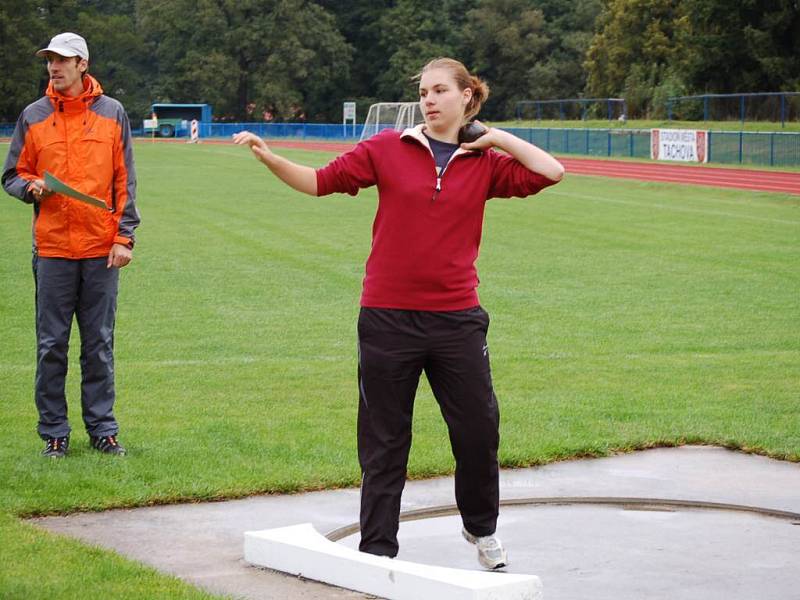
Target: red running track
(743, 179)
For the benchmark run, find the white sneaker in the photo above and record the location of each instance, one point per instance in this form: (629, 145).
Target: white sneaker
(491, 553)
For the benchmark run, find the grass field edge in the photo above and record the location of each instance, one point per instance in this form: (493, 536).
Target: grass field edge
(419, 475)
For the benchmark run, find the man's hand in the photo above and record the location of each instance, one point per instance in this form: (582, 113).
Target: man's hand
(119, 256)
(39, 189)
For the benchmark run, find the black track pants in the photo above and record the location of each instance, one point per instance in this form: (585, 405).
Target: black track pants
(395, 346)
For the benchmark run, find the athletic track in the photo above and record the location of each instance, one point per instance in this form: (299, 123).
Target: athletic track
(743, 179)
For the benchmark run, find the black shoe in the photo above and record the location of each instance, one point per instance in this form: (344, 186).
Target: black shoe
(56, 447)
(107, 444)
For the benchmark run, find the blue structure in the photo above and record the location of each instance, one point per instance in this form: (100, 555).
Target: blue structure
(784, 99)
(174, 119)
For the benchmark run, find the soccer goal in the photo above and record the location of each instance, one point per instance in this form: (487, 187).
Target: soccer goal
(391, 115)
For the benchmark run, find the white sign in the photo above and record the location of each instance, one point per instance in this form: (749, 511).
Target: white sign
(151, 123)
(349, 110)
(687, 145)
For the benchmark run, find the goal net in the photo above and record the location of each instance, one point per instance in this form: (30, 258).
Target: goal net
(391, 115)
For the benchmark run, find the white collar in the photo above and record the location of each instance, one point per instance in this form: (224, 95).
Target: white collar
(417, 133)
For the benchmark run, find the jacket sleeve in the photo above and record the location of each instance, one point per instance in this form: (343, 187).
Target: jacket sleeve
(20, 166)
(125, 184)
(511, 178)
(349, 172)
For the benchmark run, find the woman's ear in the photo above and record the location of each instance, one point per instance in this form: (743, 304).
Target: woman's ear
(466, 96)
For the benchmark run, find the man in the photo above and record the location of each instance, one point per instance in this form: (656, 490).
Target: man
(81, 137)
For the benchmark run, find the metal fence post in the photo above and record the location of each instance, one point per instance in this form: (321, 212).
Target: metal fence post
(709, 146)
(608, 134)
(630, 142)
(741, 141)
(772, 149)
(783, 111)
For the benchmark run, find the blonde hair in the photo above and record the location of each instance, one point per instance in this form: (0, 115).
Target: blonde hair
(464, 79)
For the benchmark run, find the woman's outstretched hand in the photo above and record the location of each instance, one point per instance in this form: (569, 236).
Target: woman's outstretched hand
(257, 145)
(300, 177)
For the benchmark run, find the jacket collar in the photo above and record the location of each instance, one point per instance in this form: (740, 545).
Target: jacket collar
(416, 133)
(91, 90)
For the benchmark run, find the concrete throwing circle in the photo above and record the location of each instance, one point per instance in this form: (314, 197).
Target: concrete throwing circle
(622, 548)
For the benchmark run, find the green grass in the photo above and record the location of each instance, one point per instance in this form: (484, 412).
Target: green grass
(789, 126)
(624, 315)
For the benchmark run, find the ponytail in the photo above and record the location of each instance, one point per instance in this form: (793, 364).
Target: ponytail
(480, 92)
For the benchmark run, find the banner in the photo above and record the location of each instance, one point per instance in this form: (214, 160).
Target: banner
(687, 145)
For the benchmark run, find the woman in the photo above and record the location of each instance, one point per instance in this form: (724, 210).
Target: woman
(419, 306)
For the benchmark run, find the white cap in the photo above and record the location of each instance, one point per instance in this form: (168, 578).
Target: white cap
(67, 44)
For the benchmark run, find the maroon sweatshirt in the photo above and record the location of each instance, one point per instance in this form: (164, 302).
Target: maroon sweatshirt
(425, 240)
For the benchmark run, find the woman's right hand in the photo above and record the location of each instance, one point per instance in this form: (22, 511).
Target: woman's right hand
(257, 145)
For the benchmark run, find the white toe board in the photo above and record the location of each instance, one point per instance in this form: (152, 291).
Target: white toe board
(302, 550)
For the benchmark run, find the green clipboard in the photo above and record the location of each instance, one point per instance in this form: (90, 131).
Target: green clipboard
(59, 187)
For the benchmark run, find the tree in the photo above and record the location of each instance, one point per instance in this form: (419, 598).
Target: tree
(116, 52)
(640, 46)
(748, 46)
(22, 33)
(359, 21)
(245, 57)
(415, 32)
(648, 50)
(569, 26)
(507, 39)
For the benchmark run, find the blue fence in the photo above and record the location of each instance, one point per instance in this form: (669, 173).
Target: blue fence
(320, 131)
(730, 147)
(756, 106)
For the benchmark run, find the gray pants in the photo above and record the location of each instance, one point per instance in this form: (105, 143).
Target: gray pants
(87, 290)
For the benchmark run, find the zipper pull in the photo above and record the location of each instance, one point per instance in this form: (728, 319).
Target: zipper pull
(438, 189)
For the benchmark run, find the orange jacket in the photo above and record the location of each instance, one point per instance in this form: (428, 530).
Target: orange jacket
(85, 142)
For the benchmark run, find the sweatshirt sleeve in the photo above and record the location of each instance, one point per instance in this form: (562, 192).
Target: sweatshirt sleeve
(20, 166)
(349, 172)
(511, 178)
(125, 183)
